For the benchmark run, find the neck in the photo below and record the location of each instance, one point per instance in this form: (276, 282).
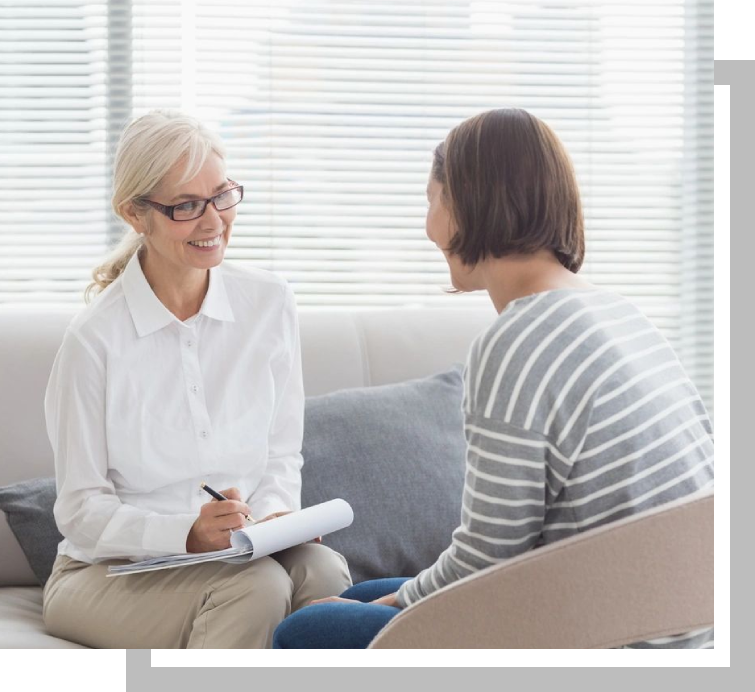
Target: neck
(517, 276)
(181, 290)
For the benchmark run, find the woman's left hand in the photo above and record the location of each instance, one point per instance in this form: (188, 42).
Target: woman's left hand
(274, 515)
(389, 600)
(333, 599)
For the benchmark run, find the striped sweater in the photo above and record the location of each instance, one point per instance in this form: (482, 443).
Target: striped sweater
(577, 413)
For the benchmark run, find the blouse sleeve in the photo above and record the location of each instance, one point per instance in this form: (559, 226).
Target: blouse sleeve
(88, 512)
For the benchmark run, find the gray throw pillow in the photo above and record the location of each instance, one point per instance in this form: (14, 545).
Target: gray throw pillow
(396, 453)
(28, 506)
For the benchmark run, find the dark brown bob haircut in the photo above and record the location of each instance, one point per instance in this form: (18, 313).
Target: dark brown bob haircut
(510, 188)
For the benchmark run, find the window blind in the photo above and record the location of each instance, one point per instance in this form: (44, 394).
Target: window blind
(330, 112)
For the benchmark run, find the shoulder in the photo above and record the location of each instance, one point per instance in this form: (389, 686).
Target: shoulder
(99, 323)
(252, 282)
(251, 276)
(537, 341)
(261, 300)
(562, 315)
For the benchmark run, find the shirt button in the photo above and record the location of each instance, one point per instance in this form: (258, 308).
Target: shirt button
(189, 343)
(194, 388)
(204, 434)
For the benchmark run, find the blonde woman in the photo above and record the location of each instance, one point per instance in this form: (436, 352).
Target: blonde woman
(183, 369)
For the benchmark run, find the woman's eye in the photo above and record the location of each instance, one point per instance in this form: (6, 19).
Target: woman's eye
(188, 206)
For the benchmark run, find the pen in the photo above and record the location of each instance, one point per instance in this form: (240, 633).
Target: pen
(218, 496)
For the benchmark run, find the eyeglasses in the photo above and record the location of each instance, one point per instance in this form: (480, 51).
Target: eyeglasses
(188, 211)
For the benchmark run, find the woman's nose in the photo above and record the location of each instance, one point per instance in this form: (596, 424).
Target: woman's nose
(211, 216)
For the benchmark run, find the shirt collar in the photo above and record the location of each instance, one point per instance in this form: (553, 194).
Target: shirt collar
(150, 315)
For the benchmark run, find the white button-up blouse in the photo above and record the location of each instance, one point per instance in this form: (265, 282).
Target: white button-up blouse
(142, 407)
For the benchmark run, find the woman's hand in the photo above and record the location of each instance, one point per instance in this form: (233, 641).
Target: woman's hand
(389, 600)
(334, 599)
(274, 515)
(280, 514)
(217, 520)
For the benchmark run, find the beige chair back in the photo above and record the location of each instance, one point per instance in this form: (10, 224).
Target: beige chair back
(647, 576)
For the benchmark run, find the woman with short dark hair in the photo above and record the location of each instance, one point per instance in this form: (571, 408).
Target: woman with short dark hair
(577, 412)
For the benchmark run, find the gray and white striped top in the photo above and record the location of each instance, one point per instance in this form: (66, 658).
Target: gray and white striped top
(577, 413)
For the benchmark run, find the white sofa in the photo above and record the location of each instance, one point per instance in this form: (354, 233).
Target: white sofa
(339, 350)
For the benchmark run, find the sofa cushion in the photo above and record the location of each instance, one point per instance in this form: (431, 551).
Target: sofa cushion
(21, 625)
(396, 454)
(28, 506)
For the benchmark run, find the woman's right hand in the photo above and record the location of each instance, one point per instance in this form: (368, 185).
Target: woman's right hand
(217, 520)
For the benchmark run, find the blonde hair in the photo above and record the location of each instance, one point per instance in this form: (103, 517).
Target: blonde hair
(148, 149)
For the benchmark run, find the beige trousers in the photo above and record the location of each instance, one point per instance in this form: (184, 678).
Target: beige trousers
(213, 605)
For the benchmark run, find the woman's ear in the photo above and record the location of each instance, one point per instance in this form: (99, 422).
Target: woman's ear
(133, 218)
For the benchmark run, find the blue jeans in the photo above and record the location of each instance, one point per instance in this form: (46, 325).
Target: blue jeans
(340, 625)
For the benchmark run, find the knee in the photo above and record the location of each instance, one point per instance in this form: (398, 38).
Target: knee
(324, 571)
(284, 636)
(303, 629)
(265, 590)
(54, 616)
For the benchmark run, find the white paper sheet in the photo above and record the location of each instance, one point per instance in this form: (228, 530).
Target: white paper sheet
(293, 529)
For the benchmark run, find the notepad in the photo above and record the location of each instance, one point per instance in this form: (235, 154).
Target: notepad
(258, 540)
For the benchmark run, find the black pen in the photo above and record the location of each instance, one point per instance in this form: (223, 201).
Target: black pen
(220, 497)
